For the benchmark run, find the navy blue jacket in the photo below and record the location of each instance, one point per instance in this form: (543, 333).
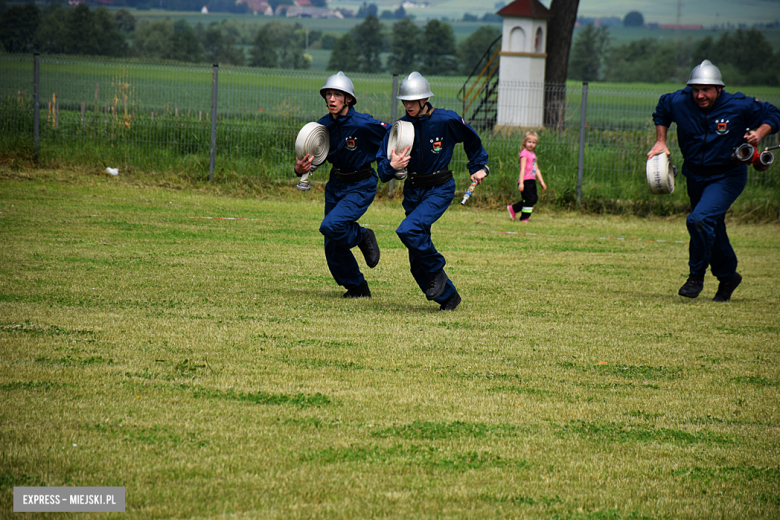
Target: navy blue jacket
(435, 137)
(707, 138)
(354, 139)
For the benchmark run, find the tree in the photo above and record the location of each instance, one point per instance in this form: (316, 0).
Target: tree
(125, 21)
(403, 49)
(369, 42)
(279, 44)
(329, 41)
(184, 45)
(744, 57)
(588, 53)
(221, 48)
(437, 52)
(367, 10)
(80, 31)
(634, 19)
(17, 27)
(559, 35)
(400, 13)
(110, 42)
(263, 50)
(344, 56)
(50, 37)
(152, 39)
(471, 50)
(664, 62)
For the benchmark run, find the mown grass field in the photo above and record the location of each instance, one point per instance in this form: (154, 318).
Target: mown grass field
(211, 367)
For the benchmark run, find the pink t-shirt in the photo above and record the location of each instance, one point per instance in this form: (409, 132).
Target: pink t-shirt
(530, 165)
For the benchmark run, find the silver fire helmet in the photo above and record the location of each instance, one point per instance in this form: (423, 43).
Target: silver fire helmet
(706, 74)
(339, 82)
(414, 87)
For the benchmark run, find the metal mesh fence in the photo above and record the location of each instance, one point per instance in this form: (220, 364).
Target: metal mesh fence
(143, 116)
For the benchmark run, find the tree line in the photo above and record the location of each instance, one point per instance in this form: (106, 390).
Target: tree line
(744, 57)
(56, 29)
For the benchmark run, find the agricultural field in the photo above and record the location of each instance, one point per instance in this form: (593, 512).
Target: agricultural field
(186, 341)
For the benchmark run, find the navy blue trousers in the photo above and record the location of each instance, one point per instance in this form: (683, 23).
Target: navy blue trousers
(710, 244)
(345, 203)
(423, 207)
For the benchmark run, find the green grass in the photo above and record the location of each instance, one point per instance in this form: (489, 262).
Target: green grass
(212, 368)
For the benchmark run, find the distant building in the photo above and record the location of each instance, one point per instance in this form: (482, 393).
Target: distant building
(415, 5)
(204, 10)
(258, 6)
(293, 11)
(692, 27)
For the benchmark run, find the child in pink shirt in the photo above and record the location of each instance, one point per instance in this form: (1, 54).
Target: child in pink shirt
(529, 172)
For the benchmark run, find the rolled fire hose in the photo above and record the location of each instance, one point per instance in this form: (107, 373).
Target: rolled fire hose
(314, 140)
(660, 174)
(401, 136)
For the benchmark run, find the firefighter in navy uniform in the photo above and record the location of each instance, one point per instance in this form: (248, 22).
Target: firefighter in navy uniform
(351, 188)
(429, 188)
(711, 123)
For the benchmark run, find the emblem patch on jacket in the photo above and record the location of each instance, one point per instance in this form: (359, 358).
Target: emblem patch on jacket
(351, 143)
(723, 126)
(436, 144)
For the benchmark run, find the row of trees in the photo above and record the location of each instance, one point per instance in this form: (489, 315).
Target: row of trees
(430, 49)
(58, 30)
(744, 57)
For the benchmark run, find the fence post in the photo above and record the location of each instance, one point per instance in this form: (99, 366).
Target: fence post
(581, 155)
(393, 117)
(36, 104)
(214, 85)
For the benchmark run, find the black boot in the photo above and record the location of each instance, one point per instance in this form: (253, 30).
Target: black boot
(692, 287)
(436, 285)
(451, 303)
(369, 247)
(726, 287)
(361, 291)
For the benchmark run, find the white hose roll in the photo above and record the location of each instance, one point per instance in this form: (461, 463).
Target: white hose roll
(660, 174)
(314, 140)
(401, 136)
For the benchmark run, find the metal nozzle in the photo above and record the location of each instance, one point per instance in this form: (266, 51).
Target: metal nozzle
(765, 159)
(744, 153)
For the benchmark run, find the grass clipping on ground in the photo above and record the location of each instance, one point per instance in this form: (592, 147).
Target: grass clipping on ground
(211, 367)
